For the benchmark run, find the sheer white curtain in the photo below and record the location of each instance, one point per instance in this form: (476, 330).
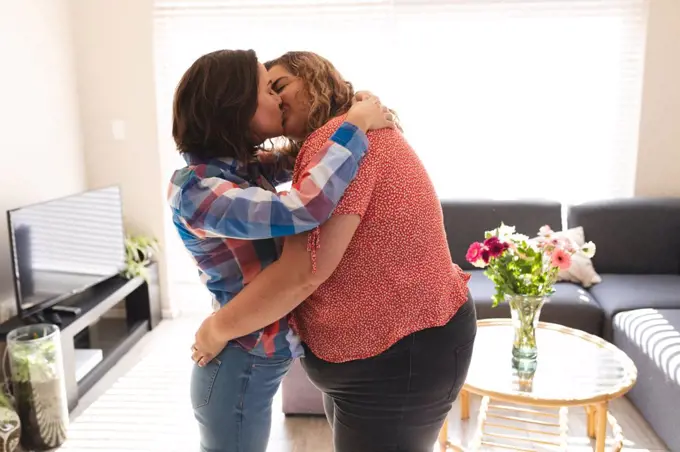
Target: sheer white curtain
(500, 99)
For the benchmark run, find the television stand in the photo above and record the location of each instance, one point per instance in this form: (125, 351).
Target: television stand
(75, 310)
(98, 326)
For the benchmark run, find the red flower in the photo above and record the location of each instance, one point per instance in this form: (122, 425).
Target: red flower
(486, 255)
(495, 246)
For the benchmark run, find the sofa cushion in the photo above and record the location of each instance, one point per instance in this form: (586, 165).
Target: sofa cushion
(570, 305)
(466, 220)
(651, 338)
(617, 293)
(633, 236)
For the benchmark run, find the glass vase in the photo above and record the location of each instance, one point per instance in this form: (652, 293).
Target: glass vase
(525, 311)
(37, 376)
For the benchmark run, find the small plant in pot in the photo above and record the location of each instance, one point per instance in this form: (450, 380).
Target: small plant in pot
(36, 366)
(140, 251)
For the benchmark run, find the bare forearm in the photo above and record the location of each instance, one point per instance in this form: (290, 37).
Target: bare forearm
(286, 283)
(269, 297)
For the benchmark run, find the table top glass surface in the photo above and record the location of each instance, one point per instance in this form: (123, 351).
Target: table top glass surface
(572, 367)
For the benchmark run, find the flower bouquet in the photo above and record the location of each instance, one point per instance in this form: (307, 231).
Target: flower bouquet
(524, 271)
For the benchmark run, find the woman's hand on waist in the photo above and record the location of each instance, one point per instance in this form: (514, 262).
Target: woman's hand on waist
(209, 341)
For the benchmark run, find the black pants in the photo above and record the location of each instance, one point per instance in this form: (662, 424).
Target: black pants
(398, 400)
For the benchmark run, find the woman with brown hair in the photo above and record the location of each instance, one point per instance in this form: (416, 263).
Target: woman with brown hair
(231, 220)
(387, 322)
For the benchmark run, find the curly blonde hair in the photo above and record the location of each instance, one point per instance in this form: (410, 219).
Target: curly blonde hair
(330, 95)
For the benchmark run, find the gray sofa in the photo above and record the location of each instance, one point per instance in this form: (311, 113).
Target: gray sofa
(636, 306)
(638, 257)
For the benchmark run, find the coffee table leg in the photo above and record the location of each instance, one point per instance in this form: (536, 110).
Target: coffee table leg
(591, 411)
(601, 425)
(464, 404)
(444, 434)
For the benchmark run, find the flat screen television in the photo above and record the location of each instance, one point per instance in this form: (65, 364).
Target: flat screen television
(65, 246)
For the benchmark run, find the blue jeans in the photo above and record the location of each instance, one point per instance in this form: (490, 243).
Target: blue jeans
(232, 400)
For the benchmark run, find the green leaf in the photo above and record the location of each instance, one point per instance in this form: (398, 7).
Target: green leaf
(139, 252)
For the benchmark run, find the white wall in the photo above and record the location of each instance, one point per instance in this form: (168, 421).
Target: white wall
(658, 166)
(114, 54)
(41, 156)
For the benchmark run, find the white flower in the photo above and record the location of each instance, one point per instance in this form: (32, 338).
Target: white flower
(535, 243)
(518, 238)
(479, 263)
(588, 250)
(505, 231)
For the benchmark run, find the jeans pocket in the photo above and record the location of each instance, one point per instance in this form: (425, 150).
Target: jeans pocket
(272, 362)
(202, 382)
(463, 359)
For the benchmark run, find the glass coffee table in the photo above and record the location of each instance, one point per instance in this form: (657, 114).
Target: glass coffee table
(574, 369)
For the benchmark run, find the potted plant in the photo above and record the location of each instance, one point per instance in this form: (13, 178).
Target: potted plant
(36, 367)
(139, 253)
(524, 272)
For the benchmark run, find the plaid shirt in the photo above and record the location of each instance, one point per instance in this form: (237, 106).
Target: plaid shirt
(231, 219)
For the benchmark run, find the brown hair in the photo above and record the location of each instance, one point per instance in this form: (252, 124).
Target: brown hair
(329, 93)
(214, 103)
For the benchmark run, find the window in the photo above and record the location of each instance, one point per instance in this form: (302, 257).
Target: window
(500, 99)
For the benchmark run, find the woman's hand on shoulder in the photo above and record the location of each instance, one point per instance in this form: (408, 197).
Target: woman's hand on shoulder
(369, 114)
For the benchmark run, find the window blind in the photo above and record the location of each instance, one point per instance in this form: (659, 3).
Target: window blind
(500, 98)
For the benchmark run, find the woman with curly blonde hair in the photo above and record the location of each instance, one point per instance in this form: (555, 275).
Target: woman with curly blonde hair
(385, 317)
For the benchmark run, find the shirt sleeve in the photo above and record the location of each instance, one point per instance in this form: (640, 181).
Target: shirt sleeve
(360, 191)
(214, 207)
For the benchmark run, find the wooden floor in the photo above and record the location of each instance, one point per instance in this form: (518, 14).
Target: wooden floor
(143, 406)
(298, 434)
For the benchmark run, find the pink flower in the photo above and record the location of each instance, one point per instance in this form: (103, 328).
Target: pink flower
(545, 231)
(477, 255)
(569, 246)
(474, 252)
(561, 259)
(495, 246)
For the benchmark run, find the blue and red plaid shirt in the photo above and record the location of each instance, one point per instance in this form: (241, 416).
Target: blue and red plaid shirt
(231, 219)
